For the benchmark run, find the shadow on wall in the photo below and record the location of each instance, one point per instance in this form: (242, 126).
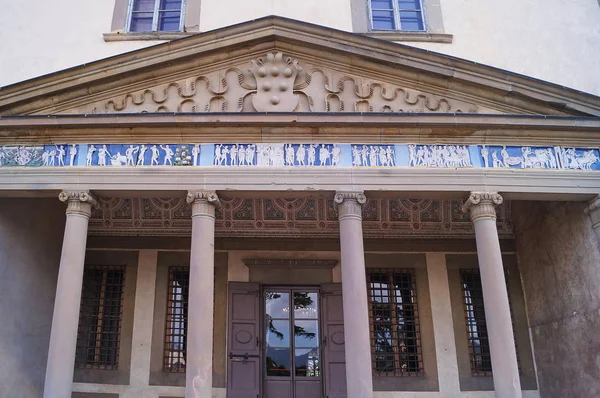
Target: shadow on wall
(559, 259)
(31, 233)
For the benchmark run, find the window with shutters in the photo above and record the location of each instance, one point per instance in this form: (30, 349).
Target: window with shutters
(100, 317)
(394, 322)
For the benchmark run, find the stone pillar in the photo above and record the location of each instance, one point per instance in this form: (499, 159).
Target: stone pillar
(481, 206)
(593, 210)
(359, 376)
(199, 350)
(65, 320)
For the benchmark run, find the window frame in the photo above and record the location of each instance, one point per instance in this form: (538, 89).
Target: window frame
(397, 371)
(173, 318)
(99, 320)
(155, 18)
(397, 20)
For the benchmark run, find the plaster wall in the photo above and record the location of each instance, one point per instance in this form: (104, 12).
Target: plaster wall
(545, 39)
(559, 259)
(31, 232)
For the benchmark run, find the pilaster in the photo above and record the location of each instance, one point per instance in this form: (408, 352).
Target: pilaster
(593, 210)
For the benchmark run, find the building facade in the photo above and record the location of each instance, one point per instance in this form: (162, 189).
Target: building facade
(278, 208)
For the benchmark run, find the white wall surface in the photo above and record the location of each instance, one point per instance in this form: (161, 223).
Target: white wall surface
(554, 40)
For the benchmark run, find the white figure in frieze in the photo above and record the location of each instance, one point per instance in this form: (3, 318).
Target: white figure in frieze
(495, 161)
(142, 155)
(233, 155)
(312, 153)
(324, 155)
(60, 154)
(364, 153)
(485, 153)
(373, 155)
(301, 155)
(390, 156)
(118, 159)
(250, 150)
(279, 155)
(382, 157)
(224, 154)
(217, 161)
(48, 157)
(168, 155)
(102, 154)
(2, 156)
(195, 153)
(155, 155)
(508, 160)
(90, 154)
(571, 160)
(24, 155)
(412, 155)
(355, 156)
(242, 155)
(130, 155)
(335, 155)
(72, 153)
(289, 155)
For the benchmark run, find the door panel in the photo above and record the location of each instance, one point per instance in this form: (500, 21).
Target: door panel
(308, 388)
(278, 388)
(334, 348)
(244, 362)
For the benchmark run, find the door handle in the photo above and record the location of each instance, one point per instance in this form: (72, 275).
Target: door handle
(244, 356)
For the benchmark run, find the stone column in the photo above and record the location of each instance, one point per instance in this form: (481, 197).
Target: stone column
(359, 376)
(593, 210)
(481, 206)
(65, 320)
(199, 350)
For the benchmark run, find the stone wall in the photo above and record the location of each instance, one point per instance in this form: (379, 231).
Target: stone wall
(31, 232)
(559, 259)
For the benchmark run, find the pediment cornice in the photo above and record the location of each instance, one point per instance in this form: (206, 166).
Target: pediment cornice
(279, 65)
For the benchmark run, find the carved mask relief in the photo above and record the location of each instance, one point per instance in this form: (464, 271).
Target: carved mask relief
(278, 83)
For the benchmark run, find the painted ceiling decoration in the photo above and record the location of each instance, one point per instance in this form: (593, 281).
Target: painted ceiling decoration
(280, 217)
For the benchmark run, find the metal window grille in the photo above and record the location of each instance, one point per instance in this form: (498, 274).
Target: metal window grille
(100, 317)
(405, 15)
(479, 347)
(177, 310)
(394, 322)
(155, 16)
(477, 335)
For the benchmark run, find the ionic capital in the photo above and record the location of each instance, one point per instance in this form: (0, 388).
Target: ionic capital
(78, 202)
(593, 210)
(350, 204)
(482, 204)
(359, 197)
(203, 202)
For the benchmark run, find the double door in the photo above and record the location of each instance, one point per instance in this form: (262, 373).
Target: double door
(285, 342)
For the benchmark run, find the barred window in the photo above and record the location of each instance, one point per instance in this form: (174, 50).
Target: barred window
(394, 321)
(479, 346)
(100, 317)
(177, 310)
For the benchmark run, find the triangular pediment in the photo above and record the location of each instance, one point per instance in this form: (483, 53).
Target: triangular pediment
(279, 65)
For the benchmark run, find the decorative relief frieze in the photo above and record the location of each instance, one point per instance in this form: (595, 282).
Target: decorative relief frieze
(279, 217)
(301, 155)
(278, 83)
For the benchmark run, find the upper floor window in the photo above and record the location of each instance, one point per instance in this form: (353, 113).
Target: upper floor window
(394, 320)
(155, 16)
(404, 15)
(100, 317)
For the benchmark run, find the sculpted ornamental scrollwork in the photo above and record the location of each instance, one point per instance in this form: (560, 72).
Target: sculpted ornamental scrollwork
(278, 83)
(279, 217)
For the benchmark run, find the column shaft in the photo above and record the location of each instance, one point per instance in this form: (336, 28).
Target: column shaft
(495, 295)
(199, 349)
(359, 376)
(65, 319)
